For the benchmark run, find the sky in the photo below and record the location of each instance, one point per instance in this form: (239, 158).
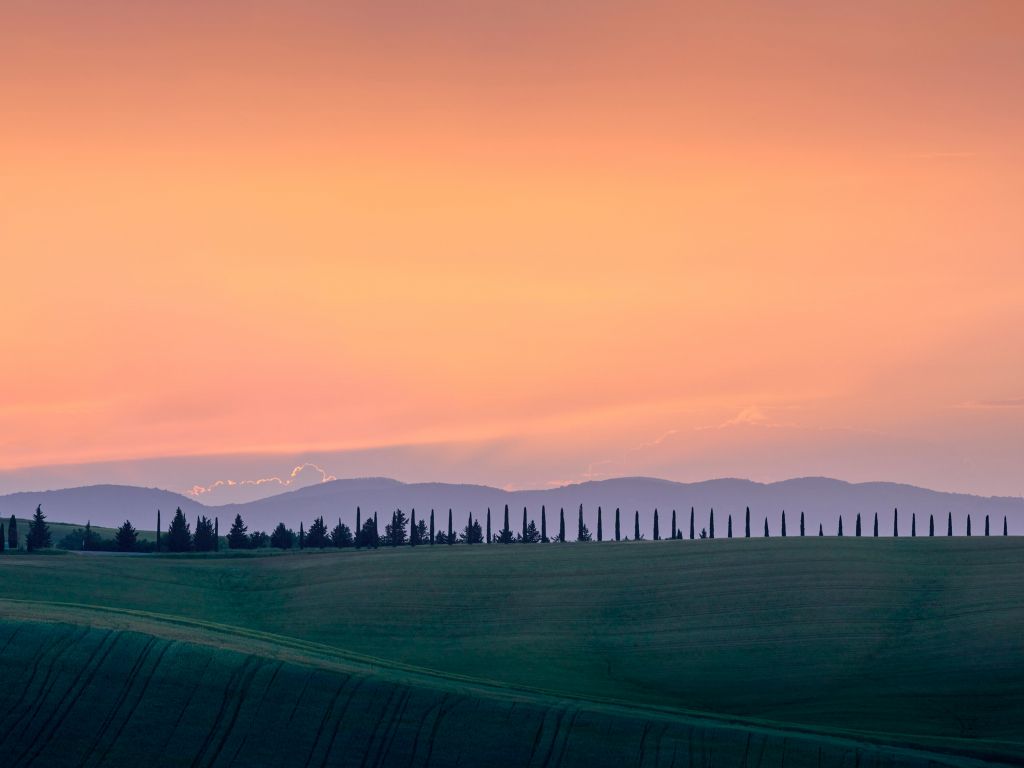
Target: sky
(522, 244)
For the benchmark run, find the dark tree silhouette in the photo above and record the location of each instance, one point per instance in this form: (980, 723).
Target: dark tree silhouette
(283, 537)
(87, 539)
(986, 525)
(931, 525)
(801, 522)
(856, 527)
(318, 537)
(657, 537)
(636, 525)
(949, 525)
(583, 534)
(472, 533)
(258, 540)
(840, 526)
(179, 534)
(302, 532)
(711, 524)
(431, 526)
(451, 536)
(783, 531)
(395, 533)
(341, 536)
(532, 535)
(895, 524)
(691, 523)
(730, 526)
(600, 530)
(913, 524)
(1005, 532)
(675, 531)
(968, 525)
(561, 525)
(821, 530)
(204, 539)
(369, 534)
(126, 537)
(543, 524)
(3, 537)
(359, 528)
(747, 528)
(505, 535)
(523, 534)
(703, 533)
(216, 534)
(617, 530)
(12, 533)
(237, 537)
(766, 527)
(414, 531)
(876, 525)
(488, 525)
(38, 531)
(158, 530)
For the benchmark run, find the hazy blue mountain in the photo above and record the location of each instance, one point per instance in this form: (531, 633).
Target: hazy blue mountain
(821, 499)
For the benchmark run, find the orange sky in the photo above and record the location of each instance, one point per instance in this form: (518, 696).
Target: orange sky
(616, 238)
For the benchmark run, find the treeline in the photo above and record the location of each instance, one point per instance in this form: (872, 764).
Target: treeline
(403, 530)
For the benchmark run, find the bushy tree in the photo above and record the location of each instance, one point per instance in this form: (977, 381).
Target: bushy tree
(205, 539)
(532, 535)
(369, 535)
(237, 535)
(394, 532)
(126, 537)
(703, 533)
(258, 540)
(282, 537)
(179, 533)
(38, 531)
(472, 533)
(421, 531)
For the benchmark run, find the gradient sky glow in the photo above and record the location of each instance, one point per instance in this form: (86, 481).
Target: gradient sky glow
(515, 243)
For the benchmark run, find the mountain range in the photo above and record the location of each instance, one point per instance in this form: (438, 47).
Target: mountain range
(822, 499)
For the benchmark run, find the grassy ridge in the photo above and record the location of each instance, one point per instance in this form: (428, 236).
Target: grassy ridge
(912, 640)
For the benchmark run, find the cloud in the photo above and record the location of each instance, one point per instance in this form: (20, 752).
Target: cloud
(293, 479)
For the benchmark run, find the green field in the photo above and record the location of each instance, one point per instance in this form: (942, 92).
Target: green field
(731, 652)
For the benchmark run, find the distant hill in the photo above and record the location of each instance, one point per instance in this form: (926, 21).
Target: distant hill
(822, 499)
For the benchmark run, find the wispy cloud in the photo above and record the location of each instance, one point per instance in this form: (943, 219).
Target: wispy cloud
(199, 490)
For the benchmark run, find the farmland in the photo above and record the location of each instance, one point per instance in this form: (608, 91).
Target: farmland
(793, 651)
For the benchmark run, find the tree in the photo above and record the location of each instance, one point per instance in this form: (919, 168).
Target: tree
(179, 533)
(318, 537)
(986, 525)
(532, 534)
(617, 529)
(12, 533)
(505, 535)
(766, 527)
(421, 531)
(394, 532)
(636, 525)
(216, 534)
(205, 539)
(657, 537)
(783, 522)
(126, 537)
(302, 535)
(840, 526)
(282, 537)
(600, 532)
(369, 535)
(359, 527)
(451, 536)
(856, 528)
(523, 534)
(821, 530)
(582, 533)
(158, 530)
(414, 532)
(949, 525)
(730, 526)
(237, 538)
(561, 525)
(431, 526)
(895, 524)
(801, 522)
(543, 525)
(876, 525)
(38, 531)
(3, 538)
(913, 524)
(747, 526)
(489, 525)
(258, 540)
(968, 526)
(703, 533)
(674, 525)
(472, 534)
(691, 523)
(931, 525)
(711, 524)
(87, 536)
(1005, 532)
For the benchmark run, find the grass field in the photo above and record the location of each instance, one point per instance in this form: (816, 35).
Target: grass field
(806, 651)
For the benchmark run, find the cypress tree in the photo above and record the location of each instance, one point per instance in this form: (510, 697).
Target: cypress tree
(359, 528)
(949, 525)
(931, 525)
(216, 534)
(968, 524)
(600, 531)
(489, 524)
(524, 525)
(801, 522)
(986, 525)
(913, 524)
(617, 531)
(766, 528)
(730, 526)
(895, 524)
(656, 535)
(451, 536)
(561, 525)
(376, 531)
(636, 525)
(414, 535)
(3, 538)
(876, 525)
(747, 525)
(302, 532)
(675, 531)
(543, 524)
(821, 530)
(691, 524)
(783, 522)
(711, 524)
(469, 528)
(431, 526)
(158, 530)
(856, 529)
(12, 533)
(579, 526)
(1005, 532)
(840, 526)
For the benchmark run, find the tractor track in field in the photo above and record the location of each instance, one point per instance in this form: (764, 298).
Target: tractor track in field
(257, 643)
